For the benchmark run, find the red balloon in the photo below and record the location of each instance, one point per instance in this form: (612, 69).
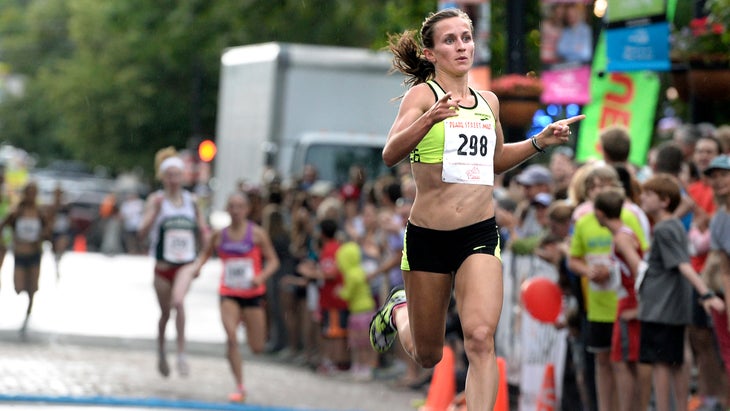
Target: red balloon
(542, 298)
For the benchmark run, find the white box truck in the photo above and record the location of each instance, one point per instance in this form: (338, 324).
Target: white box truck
(282, 106)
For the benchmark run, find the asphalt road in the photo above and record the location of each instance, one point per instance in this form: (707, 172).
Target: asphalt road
(91, 345)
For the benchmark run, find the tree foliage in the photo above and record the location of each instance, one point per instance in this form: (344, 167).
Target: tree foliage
(111, 82)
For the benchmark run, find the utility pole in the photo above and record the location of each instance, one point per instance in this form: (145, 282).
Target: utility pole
(700, 111)
(515, 54)
(516, 37)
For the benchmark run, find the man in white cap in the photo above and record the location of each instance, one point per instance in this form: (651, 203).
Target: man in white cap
(717, 266)
(536, 179)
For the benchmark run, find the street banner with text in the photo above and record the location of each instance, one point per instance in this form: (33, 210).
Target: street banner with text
(626, 99)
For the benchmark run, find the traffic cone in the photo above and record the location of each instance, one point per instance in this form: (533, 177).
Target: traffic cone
(502, 401)
(546, 400)
(80, 243)
(442, 390)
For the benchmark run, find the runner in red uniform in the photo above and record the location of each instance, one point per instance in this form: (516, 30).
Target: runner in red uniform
(249, 259)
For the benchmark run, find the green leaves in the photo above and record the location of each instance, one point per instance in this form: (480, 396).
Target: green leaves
(110, 82)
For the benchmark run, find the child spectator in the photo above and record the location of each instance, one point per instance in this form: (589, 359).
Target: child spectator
(590, 258)
(633, 379)
(665, 293)
(361, 306)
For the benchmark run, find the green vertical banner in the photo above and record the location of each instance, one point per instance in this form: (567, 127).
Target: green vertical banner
(671, 9)
(626, 99)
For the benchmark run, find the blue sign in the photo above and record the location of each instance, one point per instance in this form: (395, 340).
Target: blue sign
(644, 47)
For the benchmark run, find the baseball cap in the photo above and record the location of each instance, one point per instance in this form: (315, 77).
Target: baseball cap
(534, 174)
(721, 162)
(543, 199)
(564, 150)
(321, 188)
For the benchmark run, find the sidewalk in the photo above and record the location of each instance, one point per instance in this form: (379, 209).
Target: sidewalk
(100, 297)
(91, 338)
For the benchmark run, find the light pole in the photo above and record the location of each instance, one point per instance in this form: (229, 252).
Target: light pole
(516, 36)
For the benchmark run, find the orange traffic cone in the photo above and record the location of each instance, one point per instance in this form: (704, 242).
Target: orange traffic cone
(546, 400)
(442, 390)
(502, 401)
(80, 243)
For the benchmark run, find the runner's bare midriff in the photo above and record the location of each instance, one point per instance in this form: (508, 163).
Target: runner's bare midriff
(26, 248)
(446, 206)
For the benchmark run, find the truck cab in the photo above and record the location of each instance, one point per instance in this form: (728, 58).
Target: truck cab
(334, 153)
(282, 105)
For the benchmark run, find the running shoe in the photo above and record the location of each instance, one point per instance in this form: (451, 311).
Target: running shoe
(382, 330)
(182, 365)
(238, 396)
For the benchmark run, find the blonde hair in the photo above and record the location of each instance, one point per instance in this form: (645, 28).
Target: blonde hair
(330, 208)
(162, 155)
(577, 187)
(722, 134)
(605, 174)
(560, 211)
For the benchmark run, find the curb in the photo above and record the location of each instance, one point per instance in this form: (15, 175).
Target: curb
(208, 349)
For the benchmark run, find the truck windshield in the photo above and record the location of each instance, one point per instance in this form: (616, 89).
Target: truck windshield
(334, 161)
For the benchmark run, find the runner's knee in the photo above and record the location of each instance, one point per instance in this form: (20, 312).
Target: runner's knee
(479, 340)
(232, 343)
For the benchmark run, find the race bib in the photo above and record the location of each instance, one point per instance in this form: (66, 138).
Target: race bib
(28, 229)
(468, 152)
(178, 246)
(238, 273)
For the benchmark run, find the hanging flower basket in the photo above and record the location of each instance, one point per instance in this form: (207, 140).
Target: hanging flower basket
(517, 85)
(702, 49)
(709, 83)
(517, 112)
(519, 98)
(705, 82)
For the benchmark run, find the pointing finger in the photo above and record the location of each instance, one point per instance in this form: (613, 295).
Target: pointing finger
(574, 119)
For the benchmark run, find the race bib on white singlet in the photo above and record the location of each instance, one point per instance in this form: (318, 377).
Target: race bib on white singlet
(28, 229)
(238, 273)
(178, 246)
(468, 152)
